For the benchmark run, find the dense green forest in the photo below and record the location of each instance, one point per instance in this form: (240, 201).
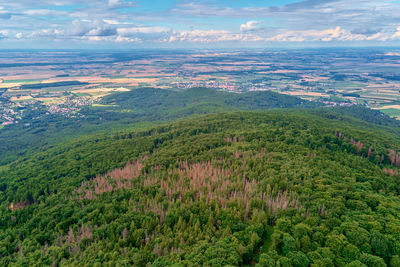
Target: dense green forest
(300, 187)
(137, 108)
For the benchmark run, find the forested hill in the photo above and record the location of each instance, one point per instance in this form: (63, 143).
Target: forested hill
(132, 109)
(272, 188)
(160, 104)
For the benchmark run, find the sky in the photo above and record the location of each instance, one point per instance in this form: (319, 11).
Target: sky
(59, 24)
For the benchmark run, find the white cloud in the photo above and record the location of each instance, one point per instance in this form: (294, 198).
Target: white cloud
(250, 26)
(396, 35)
(90, 28)
(115, 22)
(79, 29)
(203, 36)
(121, 39)
(160, 34)
(44, 12)
(142, 29)
(4, 33)
(114, 2)
(119, 4)
(327, 35)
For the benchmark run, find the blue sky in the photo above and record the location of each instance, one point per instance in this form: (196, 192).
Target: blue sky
(61, 24)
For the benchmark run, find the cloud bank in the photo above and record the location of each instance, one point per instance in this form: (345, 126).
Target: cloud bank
(201, 22)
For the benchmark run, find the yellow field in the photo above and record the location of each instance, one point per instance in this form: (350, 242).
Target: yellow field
(50, 100)
(302, 93)
(101, 91)
(314, 79)
(6, 85)
(19, 98)
(389, 107)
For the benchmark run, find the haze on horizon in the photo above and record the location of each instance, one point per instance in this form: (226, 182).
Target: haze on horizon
(203, 23)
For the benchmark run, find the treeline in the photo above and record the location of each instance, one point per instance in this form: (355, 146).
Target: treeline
(53, 84)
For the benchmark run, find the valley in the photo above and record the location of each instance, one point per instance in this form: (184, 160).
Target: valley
(333, 77)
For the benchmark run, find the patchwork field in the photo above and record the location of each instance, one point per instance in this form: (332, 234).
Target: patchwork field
(76, 78)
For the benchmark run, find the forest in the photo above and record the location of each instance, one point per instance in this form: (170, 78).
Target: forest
(278, 187)
(137, 108)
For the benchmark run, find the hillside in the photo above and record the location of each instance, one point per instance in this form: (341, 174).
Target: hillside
(134, 109)
(159, 104)
(271, 188)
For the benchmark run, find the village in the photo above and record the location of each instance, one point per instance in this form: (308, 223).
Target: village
(70, 107)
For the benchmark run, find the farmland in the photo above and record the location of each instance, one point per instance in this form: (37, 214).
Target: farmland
(334, 77)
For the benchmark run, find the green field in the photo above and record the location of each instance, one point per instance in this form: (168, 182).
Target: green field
(27, 81)
(391, 112)
(103, 105)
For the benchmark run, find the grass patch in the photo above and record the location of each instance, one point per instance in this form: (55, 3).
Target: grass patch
(29, 81)
(81, 94)
(391, 112)
(103, 105)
